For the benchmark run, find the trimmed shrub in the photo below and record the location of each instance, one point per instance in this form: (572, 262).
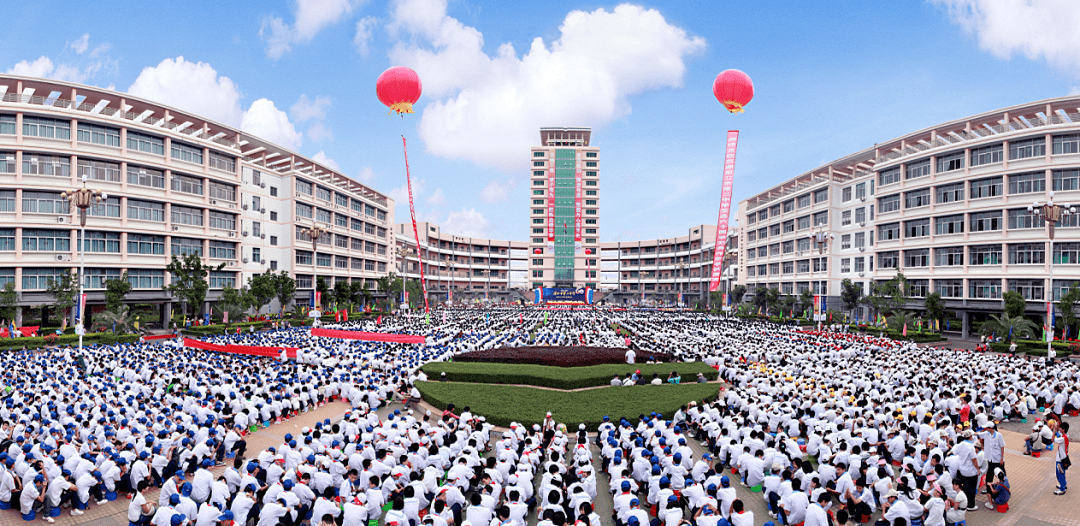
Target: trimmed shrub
(560, 356)
(560, 377)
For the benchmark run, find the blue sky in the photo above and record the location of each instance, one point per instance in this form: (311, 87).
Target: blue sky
(830, 80)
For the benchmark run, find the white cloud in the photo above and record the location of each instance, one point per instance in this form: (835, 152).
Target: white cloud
(609, 55)
(364, 33)
(366, 175)
(311, 16)
(468, 223)
(306, 109)
(42, 67)
(319, 132)
(191, 86)
(1035, 28)
(265, 121)
(322, 159)
(437, 198)
(81, 44)
(495, 192)
(400, 195)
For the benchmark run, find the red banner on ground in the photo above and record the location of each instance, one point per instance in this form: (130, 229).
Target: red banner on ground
(250, 350)
(369, 336)
(725, 210)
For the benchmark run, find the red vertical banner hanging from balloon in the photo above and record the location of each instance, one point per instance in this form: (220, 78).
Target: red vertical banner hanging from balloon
(577, 200)
(551, 200)
(725, 209)
(416, 234)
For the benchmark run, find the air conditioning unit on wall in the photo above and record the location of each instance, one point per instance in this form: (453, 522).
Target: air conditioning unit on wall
(63, 257)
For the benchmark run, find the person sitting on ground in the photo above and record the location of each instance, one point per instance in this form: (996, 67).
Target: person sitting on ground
(1000, 491)
(656, 379)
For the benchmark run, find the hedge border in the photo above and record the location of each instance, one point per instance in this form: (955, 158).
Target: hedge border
(560, 377)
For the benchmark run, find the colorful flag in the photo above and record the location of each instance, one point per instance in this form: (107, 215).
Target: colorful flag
(378, 321)
(905, 329)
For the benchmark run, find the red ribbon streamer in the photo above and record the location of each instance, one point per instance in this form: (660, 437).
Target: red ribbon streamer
(416, 235)
(725, 210)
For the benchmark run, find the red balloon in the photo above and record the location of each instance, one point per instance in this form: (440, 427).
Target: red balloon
(399, 88)
(733, 89)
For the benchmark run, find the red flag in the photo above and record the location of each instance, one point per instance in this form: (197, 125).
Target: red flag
(520, 318)
(378, 321)
(345, 315)
(337, 316)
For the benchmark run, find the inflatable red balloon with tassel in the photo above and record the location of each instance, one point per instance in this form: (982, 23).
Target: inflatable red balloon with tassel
(733, 89)
(399, 88)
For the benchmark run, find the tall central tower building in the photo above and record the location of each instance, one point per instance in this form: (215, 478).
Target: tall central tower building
(564, 211)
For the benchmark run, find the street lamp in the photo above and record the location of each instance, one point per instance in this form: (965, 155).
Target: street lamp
(82, 198)
(315, 232)
(821, 240)
(682, 269)
(1051, 213)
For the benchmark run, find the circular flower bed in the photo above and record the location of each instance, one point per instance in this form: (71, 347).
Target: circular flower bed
(562, 356)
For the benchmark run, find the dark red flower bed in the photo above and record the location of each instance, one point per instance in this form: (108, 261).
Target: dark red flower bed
(559, 356)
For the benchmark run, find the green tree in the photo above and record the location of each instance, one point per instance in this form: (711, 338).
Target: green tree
(806, 299)
(737, 293)
(935, 306)
(261, 289)
(761, 298)
(787, 304)
(890, 296)
(342, 292)
(1066, 304)
(850, 294)
(285, 288)
(64, 290)
(233, 302)
(119, 320)
(9, 301)
(772, 302)
(1009, 327)
(900, 318)
(1014, 304)
(115, 290)
(324, 290)
(189, 281)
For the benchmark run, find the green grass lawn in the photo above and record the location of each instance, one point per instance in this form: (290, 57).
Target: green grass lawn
(559, 377)
(502, 404)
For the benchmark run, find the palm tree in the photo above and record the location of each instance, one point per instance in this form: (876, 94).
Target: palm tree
(120, 320)
(899, 319)
(1009, 328)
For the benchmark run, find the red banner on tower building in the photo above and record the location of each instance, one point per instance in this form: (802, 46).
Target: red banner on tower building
(577, 201)
(725, 210)
(551, 200)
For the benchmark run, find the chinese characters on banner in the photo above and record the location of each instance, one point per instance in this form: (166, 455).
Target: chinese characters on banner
(551, 199)
(577, 200)
(725, 209)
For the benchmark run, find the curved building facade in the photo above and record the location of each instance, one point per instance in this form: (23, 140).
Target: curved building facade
(176, 184)
(946, 205)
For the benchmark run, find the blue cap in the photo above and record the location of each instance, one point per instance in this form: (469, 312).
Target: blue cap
(177, 519)
(174, 499)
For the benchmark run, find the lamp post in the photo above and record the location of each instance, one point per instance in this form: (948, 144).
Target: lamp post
(82, 198)
(821, 240)
(453, 275)
(1051, 213)
(315, 232)
(682, 269)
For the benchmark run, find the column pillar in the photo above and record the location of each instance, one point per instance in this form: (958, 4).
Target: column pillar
(964, 325)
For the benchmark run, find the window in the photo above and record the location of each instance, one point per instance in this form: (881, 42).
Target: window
(1022, 149)
(860, 264)
(984, 288)
(1064, 144)
(890, 176)
(223, 250)
(789, 205)
(537, 231)
(149, 245)
(590, 183)
(187, 216)
(1021, 218)
(7, 200)
(1066, 179)
(774, 230)
(860, 215)
(860, 239)
(803, 265)
(774, 249)
(950, 193)
(145, 143)
(788, 247)
(845, 242)
(223, 221)
(339, 261)
(1027, 254)
(187, 153)
(538, 220)
(538, 154)
(788, 267)
(820, 196)
(40, 278)
(986, 155)
(539, 164)
(538, 273)
(789, 226)
(949, 256)
(984, 255)
(99, 170)
(46, 128)
(145, 177)
(145, 210)
(7, 162)
(590, 164)
(917, 198)
(821, 219)
(43, 203)
(182, 246)
(588, 202)
(918, 287)
(341, 220)
(1027, 183)
(341, 241)
(1030, 289)
(146, 278)
(804, 222)
(590, 230)
(357, 244)
(774, 269)
(889, 203)
(220, 280)
(820, 264)
(369, 229)
(225, 163)
(845, 218)
(987, 187)
(7, 240)
(187, 184)
(889, 259)
(42, 240)
(303, 257)
(949, 288)
(918, 169)
(845, 194)
(950, 162)
(303, 210)
(273, 216)
(804, 201)
(38, 164)
(323, 194)
(303, 187)
(109, 207)
(1066, 254)
(860, 191)
(917, 228)
(7, 126)
(369, 210)
(587, 192)
(590, 154)
(985, 221)
(763, 215)
(225, 192)
(751, 236)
